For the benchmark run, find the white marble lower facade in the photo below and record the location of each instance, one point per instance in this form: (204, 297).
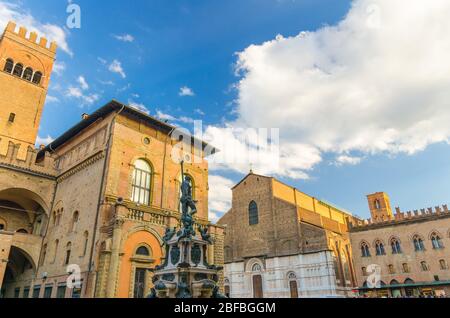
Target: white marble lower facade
(313, 275)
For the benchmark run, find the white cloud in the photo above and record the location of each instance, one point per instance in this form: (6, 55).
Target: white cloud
(199, 112)
(108, 83)
(102, 60)
(186, 91)
(163, 116)
(44, 141)
(182, 119)
(116, 67)
(52, 99)
(14, 12)
(219, 196)
(83, 84)
(125, 37)
(139, 106)
(59, 67)
(347, 160)
(377, 82)
(86, 99)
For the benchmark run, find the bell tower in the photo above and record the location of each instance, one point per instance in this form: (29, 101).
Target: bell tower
(380, 207)
(25, 67)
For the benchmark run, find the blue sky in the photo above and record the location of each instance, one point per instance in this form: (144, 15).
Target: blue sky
(178, 58)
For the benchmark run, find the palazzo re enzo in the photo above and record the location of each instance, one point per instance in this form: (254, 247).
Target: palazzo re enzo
(103, 193)
(100, 196)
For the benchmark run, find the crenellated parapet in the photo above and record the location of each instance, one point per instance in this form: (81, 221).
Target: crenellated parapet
(45, 166)
(31, 37)
(402, 217)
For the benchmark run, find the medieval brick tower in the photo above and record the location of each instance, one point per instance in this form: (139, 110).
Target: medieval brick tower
(380, 207)
(25, 68)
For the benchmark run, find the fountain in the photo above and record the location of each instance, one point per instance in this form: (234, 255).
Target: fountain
(186, 272)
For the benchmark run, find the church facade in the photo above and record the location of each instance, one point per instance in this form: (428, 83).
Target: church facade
(94, 204)
(281, 243)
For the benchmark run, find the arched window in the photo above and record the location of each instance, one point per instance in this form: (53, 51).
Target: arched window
(55, 252)
(443, 264)
(379, 247)
(37, 78)
(256, 268)
(54, 218)
(86, 241)
(436, 241)
(68, 252)
(391, 269)
(424, 266)
(396, 247)
(377, 204)
(18, 70)
(143, 251)
(418, 244)
(9, 65)
(365, 251)
(75, 218)
(253, 213)
(22, 231)
(44, 254)
(28, 74)
(405, 268)
(142, 180)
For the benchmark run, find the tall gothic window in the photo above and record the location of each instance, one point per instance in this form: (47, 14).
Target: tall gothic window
(436, 241)
(18, 69)
(377, 204)
(142, 180)
(418, 244)
(86, 241)
(75, 217)
(253, 213)
(9, 65)
(365, 251)
(396, 247)
(68, 252)
(379, 247)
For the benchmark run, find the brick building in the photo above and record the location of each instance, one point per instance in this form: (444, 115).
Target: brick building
(409, 250)
(99, 197)
(280, 242)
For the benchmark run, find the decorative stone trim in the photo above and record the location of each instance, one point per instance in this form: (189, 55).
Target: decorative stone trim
(86, 163)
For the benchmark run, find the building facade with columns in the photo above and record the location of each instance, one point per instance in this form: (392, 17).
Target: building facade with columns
(94, 203)
(281, 243)
(402, 254)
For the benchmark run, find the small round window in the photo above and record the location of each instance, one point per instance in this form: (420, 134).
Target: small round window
(146, 141)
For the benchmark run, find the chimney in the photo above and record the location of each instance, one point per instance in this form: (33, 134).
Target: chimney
(84, 116)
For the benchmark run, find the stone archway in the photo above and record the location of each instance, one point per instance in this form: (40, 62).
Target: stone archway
(24, 216)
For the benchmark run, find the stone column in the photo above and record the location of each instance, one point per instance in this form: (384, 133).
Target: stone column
(5, 246)
(115, 258)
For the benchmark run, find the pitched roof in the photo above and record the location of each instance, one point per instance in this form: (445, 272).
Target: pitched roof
(102, 112)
